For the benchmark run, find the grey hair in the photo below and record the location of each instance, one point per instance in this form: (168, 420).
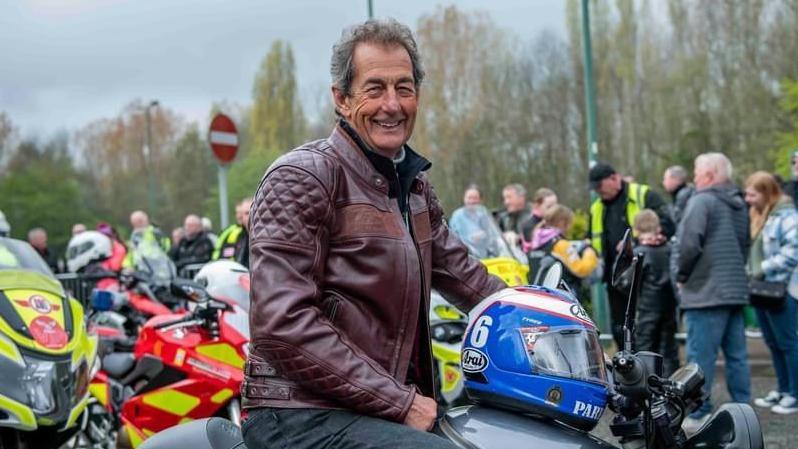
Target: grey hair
(718, 163)
(678, 172)
(385, 32)
(517, 188)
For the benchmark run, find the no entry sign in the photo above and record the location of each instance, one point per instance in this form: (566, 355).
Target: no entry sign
(223, 137)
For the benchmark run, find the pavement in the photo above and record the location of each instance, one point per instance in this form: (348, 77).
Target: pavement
(779, 431)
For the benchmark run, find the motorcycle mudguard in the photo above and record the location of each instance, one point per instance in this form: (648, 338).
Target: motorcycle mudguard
(476, 427)
(208, 433)
(733, 426)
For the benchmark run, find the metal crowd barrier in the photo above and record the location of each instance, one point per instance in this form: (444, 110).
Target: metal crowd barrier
(76, 286)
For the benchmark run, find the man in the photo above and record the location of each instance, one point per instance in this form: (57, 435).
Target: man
(713, 244)
(516, 209)
(233, 242)
(611, 214)
(241, 254)
(674, 180)
(472, 224)
(143, 230)
(791, 187)
(195, 246)
(37, 237)
(347, 238)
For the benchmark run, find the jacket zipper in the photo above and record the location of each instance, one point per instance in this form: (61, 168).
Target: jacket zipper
(422, 303)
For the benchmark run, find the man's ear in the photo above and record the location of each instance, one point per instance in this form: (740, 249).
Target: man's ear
(341, 102)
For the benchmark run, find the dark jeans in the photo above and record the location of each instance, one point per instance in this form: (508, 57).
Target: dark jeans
(719, 328)
(656, 332)
(779, 332)
(283, 428)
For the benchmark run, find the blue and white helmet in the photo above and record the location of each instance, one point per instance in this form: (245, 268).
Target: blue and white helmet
(535, 350)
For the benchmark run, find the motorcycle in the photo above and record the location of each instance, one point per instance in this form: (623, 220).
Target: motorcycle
(47, 357)
(184, 366)
(478, 231)
(649, 408)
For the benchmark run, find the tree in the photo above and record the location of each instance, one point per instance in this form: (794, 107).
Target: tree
(43, 189)
(276, 121)
(111, 154)
(788, 140)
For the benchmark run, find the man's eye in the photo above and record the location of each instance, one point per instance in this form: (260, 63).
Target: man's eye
(405, 90)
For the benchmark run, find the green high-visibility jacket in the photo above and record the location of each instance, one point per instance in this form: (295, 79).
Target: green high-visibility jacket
(227, 240)
(635, 202)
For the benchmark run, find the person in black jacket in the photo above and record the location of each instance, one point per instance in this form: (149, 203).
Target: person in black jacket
(37, 237)
(656, 306)
(611, 214)
(195, 246)
(674, 180)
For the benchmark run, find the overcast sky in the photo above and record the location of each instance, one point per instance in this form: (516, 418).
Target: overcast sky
(64, 63)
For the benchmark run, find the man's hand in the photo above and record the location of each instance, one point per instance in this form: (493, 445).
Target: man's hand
(422, 413)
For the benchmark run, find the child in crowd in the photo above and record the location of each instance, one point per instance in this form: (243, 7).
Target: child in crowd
(656, 306)
(549, 245)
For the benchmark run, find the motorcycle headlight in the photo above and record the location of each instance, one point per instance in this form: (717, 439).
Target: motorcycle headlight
(38, 381)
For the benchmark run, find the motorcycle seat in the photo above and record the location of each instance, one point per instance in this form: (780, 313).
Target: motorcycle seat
(118, 364)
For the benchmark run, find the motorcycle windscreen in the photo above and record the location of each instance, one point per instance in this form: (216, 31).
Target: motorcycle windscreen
(233, 289)
(569, 352)
(477, 230)
(151, 258)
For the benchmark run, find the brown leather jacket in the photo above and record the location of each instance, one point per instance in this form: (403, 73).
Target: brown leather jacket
(339, 296)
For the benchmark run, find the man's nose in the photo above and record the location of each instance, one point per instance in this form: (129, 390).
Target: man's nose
(391, 102)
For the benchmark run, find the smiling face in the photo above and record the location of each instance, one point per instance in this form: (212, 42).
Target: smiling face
(382, 104)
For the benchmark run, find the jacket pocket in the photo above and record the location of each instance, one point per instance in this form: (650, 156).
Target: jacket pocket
(330, 307)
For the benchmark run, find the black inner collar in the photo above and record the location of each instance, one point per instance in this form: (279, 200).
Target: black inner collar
(400, 176)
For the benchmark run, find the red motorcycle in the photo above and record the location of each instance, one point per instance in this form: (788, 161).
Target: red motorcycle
(184, 366)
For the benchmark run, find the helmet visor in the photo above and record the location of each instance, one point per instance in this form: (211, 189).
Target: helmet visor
(569, 352)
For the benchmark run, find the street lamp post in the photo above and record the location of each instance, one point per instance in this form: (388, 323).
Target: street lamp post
(371, 9)
(598, 290)
(151, 206)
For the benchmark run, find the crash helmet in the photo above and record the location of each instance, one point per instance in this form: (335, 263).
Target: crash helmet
(227, 281)
(86, 248)
(535, 350)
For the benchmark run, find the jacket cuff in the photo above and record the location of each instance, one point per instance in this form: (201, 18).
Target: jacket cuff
(411, 396)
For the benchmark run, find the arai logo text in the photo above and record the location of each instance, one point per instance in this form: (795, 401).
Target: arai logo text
(474, 361)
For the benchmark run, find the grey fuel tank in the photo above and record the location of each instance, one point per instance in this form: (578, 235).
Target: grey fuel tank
(475, 427)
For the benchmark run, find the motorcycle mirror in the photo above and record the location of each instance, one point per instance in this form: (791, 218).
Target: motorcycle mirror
(188, 289)
(553, 276)
(623, 261)
(626, 273)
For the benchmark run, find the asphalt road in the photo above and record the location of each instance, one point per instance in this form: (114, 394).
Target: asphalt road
(780, 432)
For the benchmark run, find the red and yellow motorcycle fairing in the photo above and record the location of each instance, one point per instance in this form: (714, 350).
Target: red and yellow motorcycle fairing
(213, 370)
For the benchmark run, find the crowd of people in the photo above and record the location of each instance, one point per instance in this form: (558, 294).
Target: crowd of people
(721, 257)
(193, 243)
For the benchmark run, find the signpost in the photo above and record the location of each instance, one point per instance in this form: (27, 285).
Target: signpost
(223, 137)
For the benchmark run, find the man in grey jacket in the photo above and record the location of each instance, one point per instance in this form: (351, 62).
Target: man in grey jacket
(713, 241)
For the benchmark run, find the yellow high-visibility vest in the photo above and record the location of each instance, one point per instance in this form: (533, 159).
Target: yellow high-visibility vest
(228, 239)
(635, 202)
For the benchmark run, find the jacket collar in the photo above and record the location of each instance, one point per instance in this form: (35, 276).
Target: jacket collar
(382, 172)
